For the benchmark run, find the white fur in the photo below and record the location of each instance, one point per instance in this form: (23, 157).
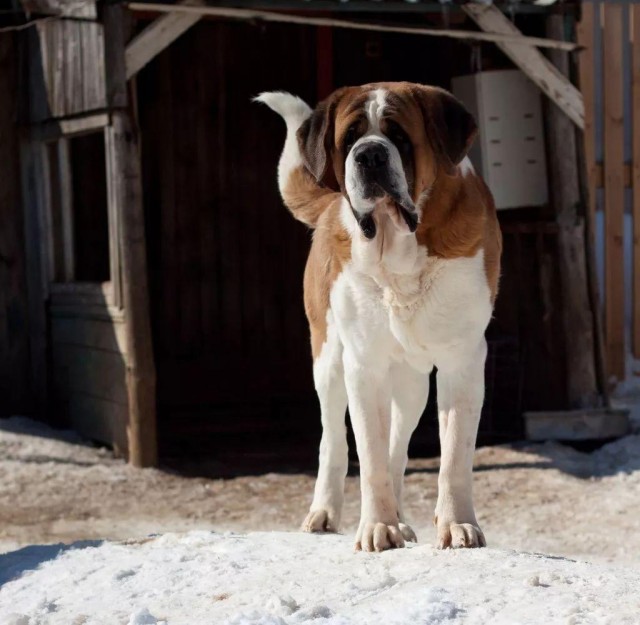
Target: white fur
(374, 109)
(294, 111)
(466, 167)
(328, 375)
(398, 313)
(395, 313)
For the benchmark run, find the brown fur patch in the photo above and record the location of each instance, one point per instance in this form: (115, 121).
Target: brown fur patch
(458, 217)
(458, 220)
(330, 252)
(305, 198)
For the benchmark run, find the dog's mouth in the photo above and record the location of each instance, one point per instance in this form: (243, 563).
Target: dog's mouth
(397, 205)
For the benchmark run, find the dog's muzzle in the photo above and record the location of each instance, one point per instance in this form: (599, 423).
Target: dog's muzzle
(372, 159)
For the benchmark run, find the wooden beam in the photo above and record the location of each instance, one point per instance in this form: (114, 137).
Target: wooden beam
(156, 37)
(577, 425)
(628, 179)
(614, 189)
(565, 192)
(14, 317)
(586, 62)
(530, 60)
(85, 9)
(284, 18)
(53, 130)
(125, 191)
(635, 82)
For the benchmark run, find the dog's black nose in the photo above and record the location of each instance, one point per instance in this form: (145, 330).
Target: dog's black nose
(372, 156)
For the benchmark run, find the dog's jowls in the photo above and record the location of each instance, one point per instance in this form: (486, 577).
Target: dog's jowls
(401, 277)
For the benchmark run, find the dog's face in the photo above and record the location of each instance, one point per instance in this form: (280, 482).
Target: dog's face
(382, 145)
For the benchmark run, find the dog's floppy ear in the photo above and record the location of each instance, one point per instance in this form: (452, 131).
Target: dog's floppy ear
(315, 138)
(449, 126)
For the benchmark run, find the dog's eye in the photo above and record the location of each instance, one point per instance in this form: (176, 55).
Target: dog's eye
(350, 138)
(398, 136)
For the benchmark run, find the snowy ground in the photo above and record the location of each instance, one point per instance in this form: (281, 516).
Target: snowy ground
(543, 498)
(203, 578)
(537, 499)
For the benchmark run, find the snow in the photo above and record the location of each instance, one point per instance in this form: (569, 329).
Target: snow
(151, 547)
(278, 578)
(544, 498)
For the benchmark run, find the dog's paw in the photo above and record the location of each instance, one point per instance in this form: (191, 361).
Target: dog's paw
(320, 521)
(373, 536)
(459, 536)
(407, 533)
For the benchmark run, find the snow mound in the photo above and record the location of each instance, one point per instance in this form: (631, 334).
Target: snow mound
(205, 578)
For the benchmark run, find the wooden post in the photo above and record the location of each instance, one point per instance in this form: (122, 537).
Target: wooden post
(125, 183)
(635, 333)
(14, 323)
(578, 319)
(614, 188)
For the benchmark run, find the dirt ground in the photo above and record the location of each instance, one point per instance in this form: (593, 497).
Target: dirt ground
(538, 498)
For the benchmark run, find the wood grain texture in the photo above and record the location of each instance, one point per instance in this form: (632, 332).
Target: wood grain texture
(161, 33)
(635, 86)
(565, 193)
(123, 155)
(614, 188)
(66, 69)
(530, 60)
(14, 322)
(586, 64)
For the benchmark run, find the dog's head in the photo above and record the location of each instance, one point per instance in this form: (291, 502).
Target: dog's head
(384, 144)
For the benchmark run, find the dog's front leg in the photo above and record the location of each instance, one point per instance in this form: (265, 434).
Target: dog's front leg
(460, 396)
(369, 394)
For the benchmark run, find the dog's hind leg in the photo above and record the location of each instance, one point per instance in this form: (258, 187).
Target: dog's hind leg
(410, 390)
(326, 509)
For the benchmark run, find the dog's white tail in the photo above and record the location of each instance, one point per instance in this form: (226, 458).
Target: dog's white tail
(294, 111)
(300, 191)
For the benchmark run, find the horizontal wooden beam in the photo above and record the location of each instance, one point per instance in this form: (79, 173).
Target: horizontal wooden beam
(57, 128)
(530, 60)
(626, 177)
(269, 16)
(577, 425)
(156, 37)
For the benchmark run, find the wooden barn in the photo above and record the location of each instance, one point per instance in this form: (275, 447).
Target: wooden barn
(151, 280)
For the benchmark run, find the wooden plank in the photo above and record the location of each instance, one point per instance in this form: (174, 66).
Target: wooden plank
(530, 60)
(160, 34)
(627, 177)
(66, 69)
(99, 419)
(55, 129)
(100, 373)
(577, 425)
(614, 189)
(564, 189)
(635, 82)
(14, 326)
(586, 67)
(33, 198)
(126, 184)
(69, 8)
(305, 20)
(99, 334)
(66, 211)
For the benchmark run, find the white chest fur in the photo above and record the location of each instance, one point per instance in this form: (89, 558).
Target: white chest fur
(393, 302)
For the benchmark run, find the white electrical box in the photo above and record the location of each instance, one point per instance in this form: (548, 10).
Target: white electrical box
(509, 151)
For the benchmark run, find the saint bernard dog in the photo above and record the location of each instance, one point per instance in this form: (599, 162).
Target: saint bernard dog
(402, 276)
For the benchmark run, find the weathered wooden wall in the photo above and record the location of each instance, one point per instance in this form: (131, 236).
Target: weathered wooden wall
(14, 337)
(79, 346)
(226, 259)
(66, 74)
(88, 351)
